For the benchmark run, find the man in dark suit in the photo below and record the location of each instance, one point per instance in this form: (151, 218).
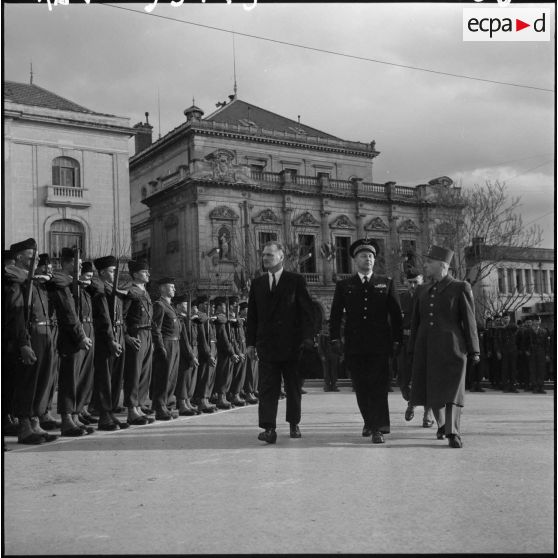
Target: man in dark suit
(280, 323)
(443, 336)
(372, 334)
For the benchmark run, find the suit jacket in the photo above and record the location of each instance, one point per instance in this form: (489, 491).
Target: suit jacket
(278, 322)
(373, 315)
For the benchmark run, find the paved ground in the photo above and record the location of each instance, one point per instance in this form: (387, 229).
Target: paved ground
(206, 485)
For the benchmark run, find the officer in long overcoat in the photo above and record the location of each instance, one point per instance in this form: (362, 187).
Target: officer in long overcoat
(443, 336)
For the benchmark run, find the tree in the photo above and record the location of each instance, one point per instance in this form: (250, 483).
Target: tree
(490, 302)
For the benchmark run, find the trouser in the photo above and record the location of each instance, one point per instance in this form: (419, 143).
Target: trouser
(137, 371)
(165, 372)
(509, 368)
(74, 381)
(331, 369)
(448, 417)
(537, 367)
(223, 374)
(523, 369)
(270, 374)
(186, 381)
(251, 380)
(55, 368)
(31, 383)
(9, 369)
(370, 376)
(109, 370)
(404, 366)
(238, 376)
(495, 371)
(206, 380)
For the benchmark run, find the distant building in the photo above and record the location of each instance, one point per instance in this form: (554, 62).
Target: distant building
(520, 280)
(66, 180)
(209, 194)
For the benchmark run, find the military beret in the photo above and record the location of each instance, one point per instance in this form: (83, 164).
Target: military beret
(87, 267)
(44, 259)
(29, 244)
(67, 253)
(180, 299)
(440, 254)
(219, 300)
(413, 273)
(233, 299)
(364, 244)
(104, 262)
(243, 305)
(137, 265)
(166, 281)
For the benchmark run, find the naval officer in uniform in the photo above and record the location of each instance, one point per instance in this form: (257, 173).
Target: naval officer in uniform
(372, 334)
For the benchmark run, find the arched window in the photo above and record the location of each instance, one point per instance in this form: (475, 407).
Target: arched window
(65, 172)
(65, 233)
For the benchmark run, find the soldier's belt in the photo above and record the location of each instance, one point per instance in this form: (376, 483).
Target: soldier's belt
(87, 321)
(171, 339)
(141, 327)
(117, 323)
(47, 323)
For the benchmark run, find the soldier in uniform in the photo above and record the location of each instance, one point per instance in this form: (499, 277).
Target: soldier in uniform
(414, 278)
(109, 345)
(207, 356)
(238, 336)
(505, 351)
(226, 355)
(536, 346)
(166, 338)
(443, 335)
(477, 371)
(29, 343)
(372, 334)
(48, 421)
(251, 378)
(75, 344)
(188, 362)
(137, 312)
(522, 359)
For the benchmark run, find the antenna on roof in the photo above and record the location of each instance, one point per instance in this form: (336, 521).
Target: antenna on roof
(159, 111)
(299, 118)
(234, 68)
(31, 74)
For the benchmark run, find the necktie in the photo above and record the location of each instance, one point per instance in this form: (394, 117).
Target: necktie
(365, 281)
(273, 283)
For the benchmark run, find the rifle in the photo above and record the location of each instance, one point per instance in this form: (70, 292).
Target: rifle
(112, 300)
(75, 282)
(29, 288)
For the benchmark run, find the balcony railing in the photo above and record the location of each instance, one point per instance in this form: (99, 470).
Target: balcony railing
(67, 196)
(312, 278)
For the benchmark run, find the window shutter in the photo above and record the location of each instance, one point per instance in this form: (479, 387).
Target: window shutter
(55, 175)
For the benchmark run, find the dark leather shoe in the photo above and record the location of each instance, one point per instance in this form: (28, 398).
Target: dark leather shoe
(187, 412)
(51, 424)
(251, 398)
(409, 413)
(72, 432)
(269, 436)
(139, 421)
(147, 411)
(295, 431)
(454, 441)
(366, 432)
(163, 416)
(377, 438)
(87, 429)
(49, 437)
(427, 423)
(32, 439)
(440, 433)
(121, 425)
(108, 426)
(89, 417)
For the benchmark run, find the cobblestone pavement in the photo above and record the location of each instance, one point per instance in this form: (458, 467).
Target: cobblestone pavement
(205, 484)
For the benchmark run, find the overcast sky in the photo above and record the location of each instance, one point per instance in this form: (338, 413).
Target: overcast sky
(425, 124)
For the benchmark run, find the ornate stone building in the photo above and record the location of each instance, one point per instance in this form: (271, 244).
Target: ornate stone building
(66, 180)
(208, 195)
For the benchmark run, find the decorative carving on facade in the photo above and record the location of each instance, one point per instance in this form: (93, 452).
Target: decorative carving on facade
(224, 240)
(223, 213)
(408, 226)
(376, 224)
(267, 216)
(171, 221)
(306, 219)
(342, 222)
(219, 165)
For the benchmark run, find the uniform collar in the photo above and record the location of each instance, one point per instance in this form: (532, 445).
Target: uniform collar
(361, 276)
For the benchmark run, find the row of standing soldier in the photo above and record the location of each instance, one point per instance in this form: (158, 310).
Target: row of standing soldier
(92, 340)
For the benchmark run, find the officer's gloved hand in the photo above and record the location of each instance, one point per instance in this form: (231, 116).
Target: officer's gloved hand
(475, 358)
(336, 347)
(307, 344)
(27, 355)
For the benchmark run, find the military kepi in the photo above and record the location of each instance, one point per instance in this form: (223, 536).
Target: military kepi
(104, 262)
(440, 254)
(364, 245)
(29, 244)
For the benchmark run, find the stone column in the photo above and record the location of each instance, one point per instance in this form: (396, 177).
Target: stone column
(327, 267)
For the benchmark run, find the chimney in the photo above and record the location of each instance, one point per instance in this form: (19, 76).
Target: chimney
(143, 134)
